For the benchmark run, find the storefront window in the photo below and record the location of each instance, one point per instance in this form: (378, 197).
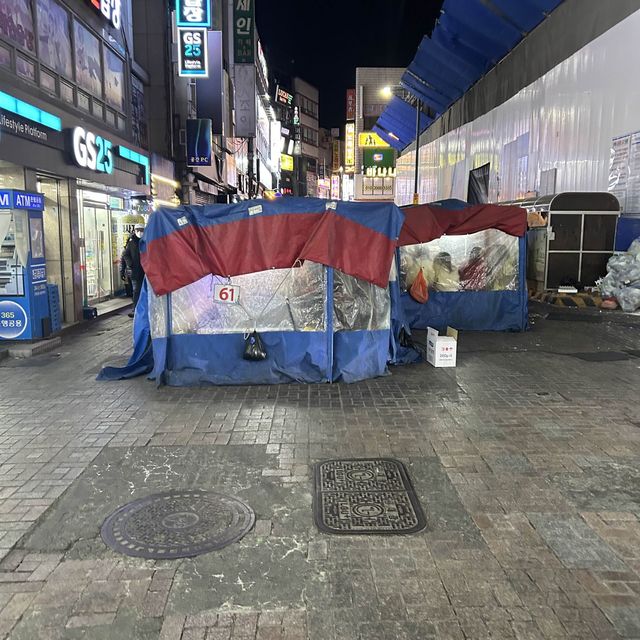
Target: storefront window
(5, 56)
(113, 79)
(25, 68)
(16, 23)
(54, 40)
(88, 60)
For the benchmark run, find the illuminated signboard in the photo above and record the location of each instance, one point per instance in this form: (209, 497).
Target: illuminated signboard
(337, 155)
(351, 104)
(284, 97)
(91, 151)
(335, 187)
(286, 162)
(369, 139)
(193, 13)
(192, 53)
(263, 65)
(199, 150)
(350, 145)
(110, 9)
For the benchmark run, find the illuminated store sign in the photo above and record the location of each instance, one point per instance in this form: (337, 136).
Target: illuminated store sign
(110, 9)
(192, 53)
(91, 151)
(286, 162)
(284, 97)
(370, 140)
(350, 145)
(193, 13)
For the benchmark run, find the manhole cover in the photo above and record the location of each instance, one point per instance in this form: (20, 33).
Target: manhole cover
(366, 496)
(177, 524)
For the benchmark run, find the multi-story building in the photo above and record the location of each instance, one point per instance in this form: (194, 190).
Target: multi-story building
(74, 127)
(374, 177)
(306, 125)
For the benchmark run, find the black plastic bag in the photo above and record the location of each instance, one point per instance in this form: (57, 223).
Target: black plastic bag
(253, 348)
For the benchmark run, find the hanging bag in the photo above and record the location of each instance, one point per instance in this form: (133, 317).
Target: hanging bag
(419, 290)
(254, 348)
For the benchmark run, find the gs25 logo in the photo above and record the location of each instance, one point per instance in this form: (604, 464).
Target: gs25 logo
(91, 151)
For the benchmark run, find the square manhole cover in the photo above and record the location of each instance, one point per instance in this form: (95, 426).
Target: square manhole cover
(366, 497)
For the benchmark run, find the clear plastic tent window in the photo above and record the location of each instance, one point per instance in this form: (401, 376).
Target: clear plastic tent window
(483, 261)
(275, 300)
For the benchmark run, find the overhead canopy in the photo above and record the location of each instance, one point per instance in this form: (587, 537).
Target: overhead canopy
(427, 222)
(182, 245)
(470, 37)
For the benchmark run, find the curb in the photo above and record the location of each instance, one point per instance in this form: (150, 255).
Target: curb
(34, 348)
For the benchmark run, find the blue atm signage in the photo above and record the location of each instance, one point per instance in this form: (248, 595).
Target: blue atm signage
(21, 200)
(193, 13)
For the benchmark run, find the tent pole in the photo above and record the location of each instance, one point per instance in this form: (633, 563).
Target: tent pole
(416, 195)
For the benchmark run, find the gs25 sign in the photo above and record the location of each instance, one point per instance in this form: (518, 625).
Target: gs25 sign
(91, 151)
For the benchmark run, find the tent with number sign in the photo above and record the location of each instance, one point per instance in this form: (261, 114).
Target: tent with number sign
(308, 277)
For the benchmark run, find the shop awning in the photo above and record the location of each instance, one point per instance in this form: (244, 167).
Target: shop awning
(470, 37)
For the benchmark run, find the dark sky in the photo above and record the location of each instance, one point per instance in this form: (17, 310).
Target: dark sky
(323, 41)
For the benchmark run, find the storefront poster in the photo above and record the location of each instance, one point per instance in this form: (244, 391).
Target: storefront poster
(54, 40)
(113, 79)
(16, 23)
(88, 63)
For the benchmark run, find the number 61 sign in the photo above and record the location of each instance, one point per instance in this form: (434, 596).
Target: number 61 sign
(226, 293)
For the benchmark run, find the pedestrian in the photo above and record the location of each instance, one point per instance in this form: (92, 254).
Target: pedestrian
(473, 273)
(134, 268)
(445, 274)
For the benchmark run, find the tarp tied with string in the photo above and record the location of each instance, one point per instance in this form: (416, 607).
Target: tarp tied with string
(470, 37)
(312, 277)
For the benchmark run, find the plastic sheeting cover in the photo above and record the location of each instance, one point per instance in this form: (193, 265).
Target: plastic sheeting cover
(483, 261)
(359, 305)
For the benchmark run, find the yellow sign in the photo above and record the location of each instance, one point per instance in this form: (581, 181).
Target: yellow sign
(369, 139)
(350, 145)
(286, 162)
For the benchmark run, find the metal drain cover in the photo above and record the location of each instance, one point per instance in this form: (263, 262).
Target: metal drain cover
(177, 524)
(366, 497)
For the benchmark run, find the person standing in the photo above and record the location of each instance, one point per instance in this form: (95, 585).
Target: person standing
(134, 268)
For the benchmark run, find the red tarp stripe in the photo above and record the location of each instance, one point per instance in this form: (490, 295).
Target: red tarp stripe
(425, 223)
(265, 242)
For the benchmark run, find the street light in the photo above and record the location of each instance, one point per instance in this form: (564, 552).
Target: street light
(386, 92)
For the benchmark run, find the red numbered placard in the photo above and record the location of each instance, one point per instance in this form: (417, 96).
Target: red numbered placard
(226, 293)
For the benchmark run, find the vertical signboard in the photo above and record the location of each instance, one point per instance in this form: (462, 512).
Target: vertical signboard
(245, 100)
(244, 46)
(350, 145)
(192, 53)
(351, 104)
(193, 13)
(336, 156)
(210, 92)
(199, 142)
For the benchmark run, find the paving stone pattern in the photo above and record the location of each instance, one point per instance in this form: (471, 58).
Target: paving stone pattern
(525, 459)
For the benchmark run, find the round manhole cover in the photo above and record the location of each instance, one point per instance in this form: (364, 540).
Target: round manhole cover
(177, 524)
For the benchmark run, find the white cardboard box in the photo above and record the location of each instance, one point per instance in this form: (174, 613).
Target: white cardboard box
(442, 350)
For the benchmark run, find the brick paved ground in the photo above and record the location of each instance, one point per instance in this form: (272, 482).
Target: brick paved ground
(526, 461)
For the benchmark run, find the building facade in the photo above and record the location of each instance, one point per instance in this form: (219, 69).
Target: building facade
(374, 175)
(306, 125)
(73, 127)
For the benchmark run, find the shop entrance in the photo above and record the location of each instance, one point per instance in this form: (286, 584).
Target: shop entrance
(97, 260)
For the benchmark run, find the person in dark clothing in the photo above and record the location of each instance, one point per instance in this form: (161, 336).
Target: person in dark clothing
(134, 270)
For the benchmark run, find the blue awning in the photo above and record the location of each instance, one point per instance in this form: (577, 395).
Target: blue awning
(396, 144)
(470, 37)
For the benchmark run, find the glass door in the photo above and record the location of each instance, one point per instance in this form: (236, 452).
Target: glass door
(97, 252)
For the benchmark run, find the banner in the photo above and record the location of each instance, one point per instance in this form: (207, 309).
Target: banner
(199, 142)
(193, 13)
(350, 145)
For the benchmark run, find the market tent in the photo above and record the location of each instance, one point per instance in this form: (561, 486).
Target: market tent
(486, 293)
(313, 278)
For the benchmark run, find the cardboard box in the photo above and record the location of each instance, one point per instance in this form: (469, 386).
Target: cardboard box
(442, 350)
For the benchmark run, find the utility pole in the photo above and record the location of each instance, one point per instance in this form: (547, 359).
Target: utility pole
(416, 195)
(250, 158)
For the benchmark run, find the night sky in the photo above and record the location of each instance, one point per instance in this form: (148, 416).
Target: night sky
(323, 41)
